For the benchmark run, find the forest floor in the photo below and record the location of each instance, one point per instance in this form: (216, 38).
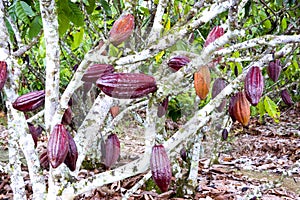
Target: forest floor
(261, 161)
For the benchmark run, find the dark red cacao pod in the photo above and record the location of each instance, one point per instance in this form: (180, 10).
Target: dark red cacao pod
(224, 134)
(112, 150)
(230, 107)
(3, 73)
(67, 117)
(254, 85)
(127, 85)
(274, 70)
(114, 111)
(121, 29)
(178, 62)
(202, 82)
(44, 161)
(241, 108)
(218, 86)
(286, 98)
(72, 154)
(183, 154)
(160, 167)
(58, 145)
(163, 107)
(30, 101)
(35, 132)
(215, 33)
(95, 71)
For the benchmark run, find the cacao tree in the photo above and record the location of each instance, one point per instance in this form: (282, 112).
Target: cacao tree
(66, 65)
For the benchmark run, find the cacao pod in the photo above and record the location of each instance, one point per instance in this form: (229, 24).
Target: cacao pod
(183, 154)
(29, 101)
(160, 167)
(67, 117)
(236, 71)
(285, 96)
(241, 109)
(127, 85)
(72, 154)
(202, 82)
(112, 150)
(230, 107)
(3, 73)
(70, 102)
(274, 70)
(178, 62)
(215, 33)
(95, 71)
(224, 134)
(218, 86)
(114, 111)
(121, 29)
(35, 132)
(58, 145)
(163, 107)
(254, 85)
(44, 161)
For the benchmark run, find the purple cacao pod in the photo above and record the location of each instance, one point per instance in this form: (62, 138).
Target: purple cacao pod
(35, 132)
(254, 85)
(218, 86)
(95, 71)
(178, 62)
(44, 161)
(112, 150)
(58, 145)
(121, 29)
(127, 85)
(215, 33)
(67, 117)
(230, 107)
(3, 73)
(160, 167)
(72, 154)
(30, 101)
(286, 98)
(163, 107)
(274, 70)
(183, 154)
(224, 134)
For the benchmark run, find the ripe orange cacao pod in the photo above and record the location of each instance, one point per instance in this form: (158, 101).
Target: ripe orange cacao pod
(215, 33)
(35, 132)
(218, 86)
(3, 73)
(67, 117)
(178, 62)
(274, 70)
(230, 107)
(241, 109)
(112, 150)
(160, 167)
(286, 98)
(114, 111)
(44, 161)
(95, 71)
(121, 29)
(202, 82)
(254, 85)
(72, 154)
(163, 107)
(29, 101)
(58, 145)
(127, 85)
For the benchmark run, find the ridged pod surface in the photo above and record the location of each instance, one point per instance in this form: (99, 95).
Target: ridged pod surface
(112, 150)
(218, 86)
(160, 167)
(30, 101)
(95, 71)
(202, 82)
(127, 85)
(163, 107)
(3, 73)
(274, 70)
(215, 33)
(44, 161)
(286, 98)
(67, 117)
(177, 62)
(121, 29)
(72, 154)
(58, 145)
(254, 85)
(241, 108)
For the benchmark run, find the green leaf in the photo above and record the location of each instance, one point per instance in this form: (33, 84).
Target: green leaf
(27, 9)
(159, 56)
(90, 6)
(261, 110)
(76, 16)
(35, 27)
(283, 24)
(113, 51)
(267, 24)
(63, 24)
(272, 109)
(106, 7)
(77, 38)
(21, 14)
